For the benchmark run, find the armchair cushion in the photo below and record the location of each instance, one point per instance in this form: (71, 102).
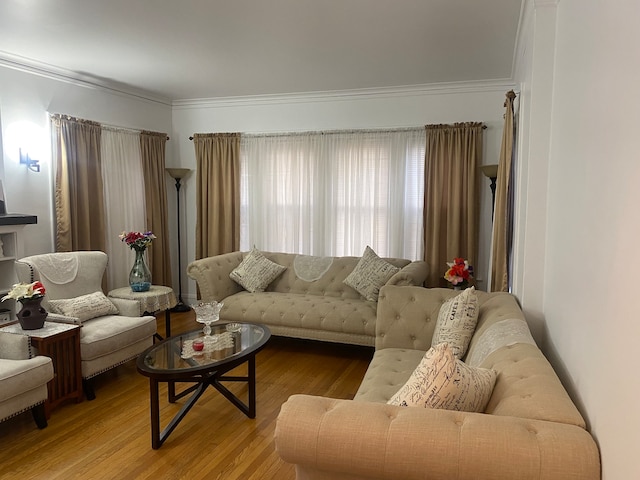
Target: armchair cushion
(20, 376)
(107, 334)
(370, 273)
(84, 307)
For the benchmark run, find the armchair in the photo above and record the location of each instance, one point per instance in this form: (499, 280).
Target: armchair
(23, 380)
(107, 338)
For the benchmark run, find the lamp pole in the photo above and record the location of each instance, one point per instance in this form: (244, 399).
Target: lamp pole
(178, 174)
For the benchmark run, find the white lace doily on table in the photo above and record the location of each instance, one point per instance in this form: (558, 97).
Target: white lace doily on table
(310, 268)
(217, 342)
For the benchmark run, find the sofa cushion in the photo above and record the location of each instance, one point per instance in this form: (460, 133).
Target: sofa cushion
(457, 321)
(442, 381)
(105, 335)
(84, 307)
(20, 376)
(256, 271)
(371, 273)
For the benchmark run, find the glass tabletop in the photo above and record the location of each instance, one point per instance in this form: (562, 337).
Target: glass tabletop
(179, 354)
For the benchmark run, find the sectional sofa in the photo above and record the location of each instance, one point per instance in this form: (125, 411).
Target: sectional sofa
(308, 298)
(529, 429)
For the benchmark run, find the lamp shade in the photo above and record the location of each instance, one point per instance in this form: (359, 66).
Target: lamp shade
(178, 173)
(490, 171)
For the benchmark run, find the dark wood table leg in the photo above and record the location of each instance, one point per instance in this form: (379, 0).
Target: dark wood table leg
(252, 386)
(156, 442)
(167, 322)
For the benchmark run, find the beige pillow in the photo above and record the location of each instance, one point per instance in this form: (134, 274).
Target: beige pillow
(256, 272)
(442, 381)
(457, 321)
(84, 307)
(371, 273)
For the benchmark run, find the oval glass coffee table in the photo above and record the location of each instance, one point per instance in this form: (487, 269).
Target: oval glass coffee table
(175, 359)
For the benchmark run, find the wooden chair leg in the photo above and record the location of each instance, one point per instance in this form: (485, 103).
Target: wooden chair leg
(87, 386)
(39, 416)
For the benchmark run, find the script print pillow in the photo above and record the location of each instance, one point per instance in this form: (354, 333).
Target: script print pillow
(370, 274)
(442, 381)
(256, 272)
(457, 321)
(84, 307)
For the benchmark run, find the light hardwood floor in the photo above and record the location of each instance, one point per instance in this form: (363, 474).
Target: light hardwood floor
(109, 437)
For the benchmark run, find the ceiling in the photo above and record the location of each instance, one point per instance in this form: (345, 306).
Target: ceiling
(192, 49)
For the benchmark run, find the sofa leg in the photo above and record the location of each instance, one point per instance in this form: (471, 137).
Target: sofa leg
(39, 416)
(87, 386)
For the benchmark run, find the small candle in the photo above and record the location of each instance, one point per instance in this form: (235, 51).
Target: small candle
(197, 345)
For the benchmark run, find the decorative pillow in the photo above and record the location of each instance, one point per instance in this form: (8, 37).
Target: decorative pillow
(457, 321)
(84, 307)
(371, 273)
(256, 272)
(442, 381)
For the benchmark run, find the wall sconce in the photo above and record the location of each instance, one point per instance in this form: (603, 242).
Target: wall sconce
(25, 159)
(491, 171)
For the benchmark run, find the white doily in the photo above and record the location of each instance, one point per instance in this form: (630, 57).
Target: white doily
(500, 334)
(59, 268)
(310, 268)
(211, 344)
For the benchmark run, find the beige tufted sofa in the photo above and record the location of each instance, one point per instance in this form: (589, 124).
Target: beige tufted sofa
(530, 429)
(320, 309)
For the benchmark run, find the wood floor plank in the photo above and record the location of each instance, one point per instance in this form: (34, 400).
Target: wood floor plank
(110, 437)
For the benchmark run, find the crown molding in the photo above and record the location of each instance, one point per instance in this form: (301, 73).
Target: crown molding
(51, 72)
(501, 85)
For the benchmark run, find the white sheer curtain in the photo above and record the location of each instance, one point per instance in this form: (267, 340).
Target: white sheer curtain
(124, 195)
(334, 193)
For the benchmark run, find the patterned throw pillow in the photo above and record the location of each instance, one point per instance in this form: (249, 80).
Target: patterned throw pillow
(371, 273)
(256, 272)
(457, 321)
(84, 307)
(442, 381)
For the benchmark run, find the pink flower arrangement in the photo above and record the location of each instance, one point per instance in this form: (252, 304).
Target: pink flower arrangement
(137, 240)
(459, 272)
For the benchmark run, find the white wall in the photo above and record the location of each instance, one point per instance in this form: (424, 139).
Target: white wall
(347, 110)
(590, 178)
(26, 99)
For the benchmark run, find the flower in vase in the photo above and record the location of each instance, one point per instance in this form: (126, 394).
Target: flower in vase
(25, 291)
(137, 240)
(459, 272)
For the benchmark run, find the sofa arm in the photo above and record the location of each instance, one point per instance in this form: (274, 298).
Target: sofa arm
(414, 273)
(14, 346)
(346, 439)
(212, 276)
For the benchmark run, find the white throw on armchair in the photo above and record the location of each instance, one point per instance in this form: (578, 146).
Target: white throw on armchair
(112, 333)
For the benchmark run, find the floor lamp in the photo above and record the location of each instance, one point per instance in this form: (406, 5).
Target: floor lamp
(178, 174)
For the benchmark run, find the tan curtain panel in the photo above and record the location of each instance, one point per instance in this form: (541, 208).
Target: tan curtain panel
(80, 214)
(502, 223)
(451, 196)
(152, 149)
(217, 193)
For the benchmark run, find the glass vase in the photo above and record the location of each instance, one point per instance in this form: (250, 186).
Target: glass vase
(140, 276)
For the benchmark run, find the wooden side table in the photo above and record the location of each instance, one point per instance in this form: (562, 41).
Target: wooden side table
(60, 342)
(156, 299)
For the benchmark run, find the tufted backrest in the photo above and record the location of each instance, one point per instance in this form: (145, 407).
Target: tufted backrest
(65, 274)
(526, 385)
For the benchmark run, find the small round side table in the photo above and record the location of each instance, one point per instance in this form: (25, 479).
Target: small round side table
(156, 299)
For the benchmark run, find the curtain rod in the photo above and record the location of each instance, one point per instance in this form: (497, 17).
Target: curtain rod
(334, 132)
(106, 125)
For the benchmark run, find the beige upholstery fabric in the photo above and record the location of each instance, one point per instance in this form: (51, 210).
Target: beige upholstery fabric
(442, 381)
(23, 380)
(530, 428)
(322, 309)
(105, 341)
(256, 272)
(84, 307)
(457, 321)
(370, 274)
